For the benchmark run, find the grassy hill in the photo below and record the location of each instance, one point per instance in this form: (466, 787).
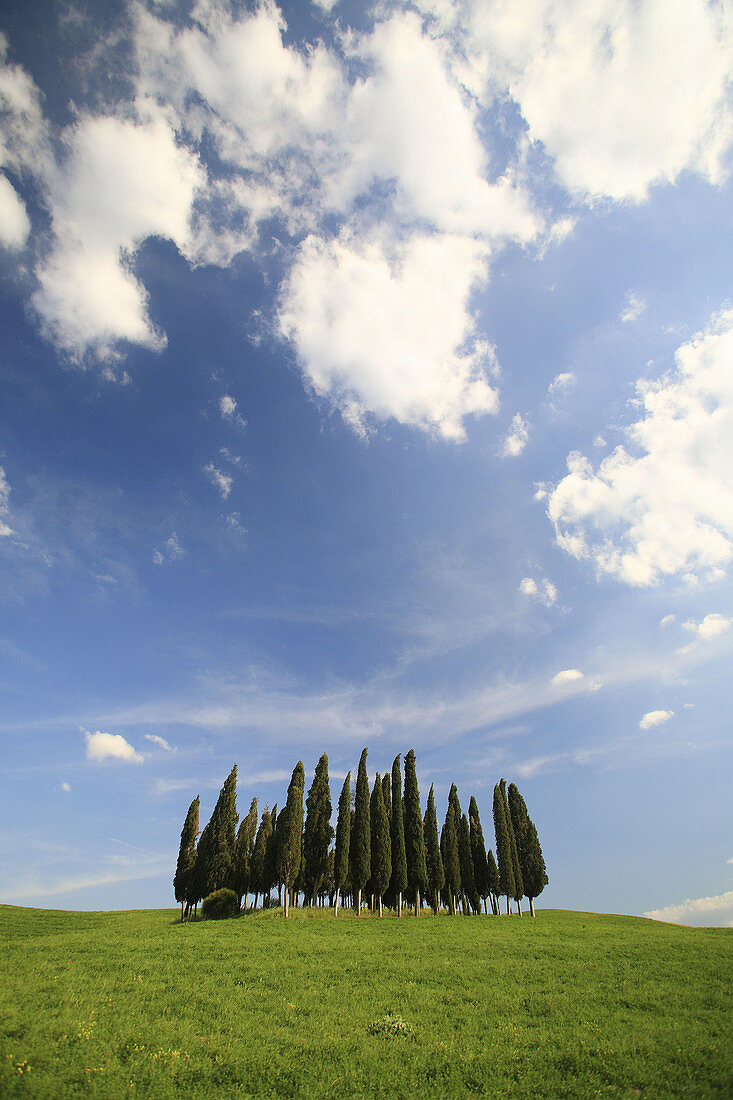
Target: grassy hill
(134, 1004)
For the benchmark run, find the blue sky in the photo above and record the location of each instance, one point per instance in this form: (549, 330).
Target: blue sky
(367, 380)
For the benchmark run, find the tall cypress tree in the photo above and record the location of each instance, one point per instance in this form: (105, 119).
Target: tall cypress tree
(451, 858)
(478, 852)
(503, 847)
(218, 843)
(534, 872)
(343, 840)
(468, 884)
(436, 876)
(243, 853)
(417, 872)
(494, 887)
(186, 854)
(290, 833)
(381, 845)
(259, 872)
(453, 801)
(387, 794)
(361, 854)
(398, 882)
(271, 875)
(518, 884)
(318, 831)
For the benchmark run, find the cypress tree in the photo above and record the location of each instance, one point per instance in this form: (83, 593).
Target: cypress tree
(468, 884)
(453, 801)
(387, 794)
(290, 833)
(258, 873)
(271, 875)
(318, 832)
(343, 840)
(518, 884)
(361, 856)
(186, 854)
(218, 843)
(451, 858)
(381, 845)
(534, 873)
(398, 882)
(436, 876)
(494, 888)
(478, 852)
(243, 853)
(417, 872)
(503, 847)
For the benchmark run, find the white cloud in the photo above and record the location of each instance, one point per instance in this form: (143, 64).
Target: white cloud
(223, 482)
(622, 95)
(667, 620)
(14, 223)
(716, 910)
(110, 746)
(655, 718)
(528, 586)
(545, 591)
(155, 739)
(391, 335)
(561, 381)
(66, 787)
(567, 676)
(712, 626)
(633, 309)
(227, 406)
(172, 550)
(517, 438)
(4, 504)
(662, 504)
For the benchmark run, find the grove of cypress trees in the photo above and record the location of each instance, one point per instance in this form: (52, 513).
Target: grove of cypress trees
(518, 884)
(451, 858)
(494, 888)
(218, 843)
(361, 857)
(318, 832)
(436, 876)
(243, 853)
(478, 852)
(186, 854)
(534, 873)
(343, 840)
(290, 833)
(417, 872)
(503, 848)
(381, 845)
(468, 884)
(398, 882)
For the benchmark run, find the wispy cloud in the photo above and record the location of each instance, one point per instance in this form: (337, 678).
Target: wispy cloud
(716, 910)
(633, 309)
(155, 739)
(517, 438)
(223, 482)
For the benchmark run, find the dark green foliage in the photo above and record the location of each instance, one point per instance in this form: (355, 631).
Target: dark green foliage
(290, 833)
(478, 851)
(222, 903)
(318, 831)
(503, 846)
(494, 886)
(398, 882)
(244, 852)
(436, 876)
(518, 885)
(217, 846)
(260, 871)
(417, 872)
(387, 793)
(381, 845)
(186, 853)
(451, 858)
(468, 885)
(361, 857)
(271, 876)
(343, 836)
(534, 873)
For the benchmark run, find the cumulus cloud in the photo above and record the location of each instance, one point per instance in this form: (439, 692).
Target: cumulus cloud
(716, 910)
(633, 308)
(561, 381)
(223, 482)
(545, 591)
(567, 676)
(655, 718)
(155, 739)
(517, 438)
(14, 223)
(110, 746)
(662, 503)
(712, 626)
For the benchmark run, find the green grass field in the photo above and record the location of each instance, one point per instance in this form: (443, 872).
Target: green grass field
(134, 1004)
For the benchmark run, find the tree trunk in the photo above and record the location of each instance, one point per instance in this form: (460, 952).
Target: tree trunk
(287, 898)
(508, 909)
(358, 903)
(519, 906)
(417, 902)
(531, 907)
(399, 904)
(338, 891)
(380, 905)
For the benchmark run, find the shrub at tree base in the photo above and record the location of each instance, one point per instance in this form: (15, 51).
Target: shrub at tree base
(222, 903)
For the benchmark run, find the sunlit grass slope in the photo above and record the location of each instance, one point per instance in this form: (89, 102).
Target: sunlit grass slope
(569, 1005)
